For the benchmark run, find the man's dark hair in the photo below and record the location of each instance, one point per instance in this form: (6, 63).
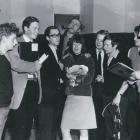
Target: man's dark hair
(7, 29)
(137, 29)
(103, 32)
(48, 30)
(112, 39)
(27, 22)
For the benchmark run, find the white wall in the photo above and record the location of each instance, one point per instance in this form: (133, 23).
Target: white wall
(132, 15)
(17, 10)
(109, 14)
(114, 15)
(4, 10)
(66, 6)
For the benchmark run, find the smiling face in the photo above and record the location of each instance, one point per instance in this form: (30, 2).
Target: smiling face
(99, 41)
(54, 37)
(77, 48)
(108, 48)
(32, 31)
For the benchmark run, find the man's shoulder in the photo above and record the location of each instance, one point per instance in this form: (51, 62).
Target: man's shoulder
(20, 39)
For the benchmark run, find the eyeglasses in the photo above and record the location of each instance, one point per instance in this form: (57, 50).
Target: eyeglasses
(55, 35)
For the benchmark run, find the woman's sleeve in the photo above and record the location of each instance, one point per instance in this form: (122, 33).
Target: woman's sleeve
(88, 78)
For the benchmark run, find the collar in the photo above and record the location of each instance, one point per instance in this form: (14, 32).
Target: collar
(26, 38)
(97, 51)
(114, 54)
(53, 47)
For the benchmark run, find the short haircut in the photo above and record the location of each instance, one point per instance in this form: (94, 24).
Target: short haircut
(48, 30)
(27, 22)
(78, 39)
(112, 39)
(7, 29)
(137, 29)
(102, 32)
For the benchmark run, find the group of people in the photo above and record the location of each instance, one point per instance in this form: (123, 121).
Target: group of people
(70, 89)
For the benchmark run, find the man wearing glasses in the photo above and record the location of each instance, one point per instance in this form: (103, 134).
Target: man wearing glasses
(52, 100)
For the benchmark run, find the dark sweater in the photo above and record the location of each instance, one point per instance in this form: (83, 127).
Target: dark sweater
(6, 83)
(84, 85)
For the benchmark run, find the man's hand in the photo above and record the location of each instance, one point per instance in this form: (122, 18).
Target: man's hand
(135, 76)
(37, 65)
(116, 100)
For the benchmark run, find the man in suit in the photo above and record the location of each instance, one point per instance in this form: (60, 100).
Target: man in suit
(112, 84)
(26, 83)
(52, 98)
(98, 55)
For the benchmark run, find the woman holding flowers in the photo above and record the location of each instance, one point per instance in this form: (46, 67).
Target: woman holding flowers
(79, 112)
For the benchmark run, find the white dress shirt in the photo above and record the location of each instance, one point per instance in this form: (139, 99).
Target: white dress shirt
(102, 59)
(54, 48)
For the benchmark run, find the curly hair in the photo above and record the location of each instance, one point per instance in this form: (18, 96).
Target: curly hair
(78, 39)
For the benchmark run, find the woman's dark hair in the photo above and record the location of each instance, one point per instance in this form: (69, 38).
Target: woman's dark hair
(78, 39)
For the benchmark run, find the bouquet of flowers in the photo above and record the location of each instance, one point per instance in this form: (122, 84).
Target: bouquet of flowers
(74, 72)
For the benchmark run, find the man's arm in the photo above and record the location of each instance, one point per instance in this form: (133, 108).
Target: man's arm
(117, 99)
(20, 65)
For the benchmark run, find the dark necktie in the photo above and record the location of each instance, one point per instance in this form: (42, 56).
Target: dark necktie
(106, 61)
(99, 64)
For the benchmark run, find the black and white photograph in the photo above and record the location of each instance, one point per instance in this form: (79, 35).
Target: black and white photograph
(69, 70)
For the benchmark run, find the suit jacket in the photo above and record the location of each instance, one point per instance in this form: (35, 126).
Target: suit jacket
(50, 77)
(112, 82)
(20, 71)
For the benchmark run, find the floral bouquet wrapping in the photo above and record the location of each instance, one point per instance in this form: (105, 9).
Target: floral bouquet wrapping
(76, 73)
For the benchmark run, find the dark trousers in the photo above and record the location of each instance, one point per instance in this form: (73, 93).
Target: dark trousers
(109, 118)
(133, 115)
(129, 116)
(50, 115)
(99, 133)
(22, 118)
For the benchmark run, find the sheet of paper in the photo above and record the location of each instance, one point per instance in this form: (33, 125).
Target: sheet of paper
(34, 47)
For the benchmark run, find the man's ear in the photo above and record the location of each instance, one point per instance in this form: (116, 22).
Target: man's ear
(47, 38)
(25, 29)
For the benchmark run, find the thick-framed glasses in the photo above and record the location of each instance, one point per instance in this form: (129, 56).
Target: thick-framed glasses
(55, 35)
